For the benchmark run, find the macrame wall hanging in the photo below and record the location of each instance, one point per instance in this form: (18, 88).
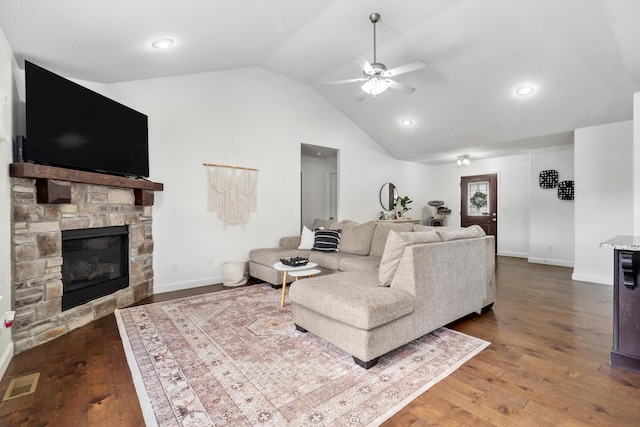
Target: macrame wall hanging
(232, 190)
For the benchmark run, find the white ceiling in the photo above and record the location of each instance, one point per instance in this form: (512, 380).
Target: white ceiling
(583, 56)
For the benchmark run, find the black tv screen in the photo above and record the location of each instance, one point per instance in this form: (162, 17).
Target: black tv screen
(70, 126)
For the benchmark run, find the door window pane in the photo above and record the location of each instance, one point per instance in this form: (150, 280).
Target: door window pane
(478, 198)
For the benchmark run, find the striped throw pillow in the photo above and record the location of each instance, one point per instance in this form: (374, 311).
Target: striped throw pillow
(326, 241)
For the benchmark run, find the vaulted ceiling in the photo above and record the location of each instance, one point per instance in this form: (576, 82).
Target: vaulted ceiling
(581, 56)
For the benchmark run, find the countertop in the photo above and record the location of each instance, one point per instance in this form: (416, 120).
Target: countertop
(627, 243)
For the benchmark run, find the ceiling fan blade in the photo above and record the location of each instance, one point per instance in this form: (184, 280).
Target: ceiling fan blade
(400, 86)
(364, 64)
(407, 68)
(341, 82)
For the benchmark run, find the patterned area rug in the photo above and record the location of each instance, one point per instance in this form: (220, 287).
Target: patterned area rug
(234, 358)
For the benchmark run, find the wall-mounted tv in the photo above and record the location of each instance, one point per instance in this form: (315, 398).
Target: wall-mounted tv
(70, 126)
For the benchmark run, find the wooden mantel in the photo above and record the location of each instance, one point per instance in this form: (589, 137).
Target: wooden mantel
(53, 183)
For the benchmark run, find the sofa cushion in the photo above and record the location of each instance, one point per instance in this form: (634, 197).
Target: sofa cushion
(289, 242)
(461, 233)
(328, 260)
(396, 243)
(356, 238)
(307, 238)
(352, 298)
(420, 227)
(339, 225)
(270, 256)
(380, 235)
(359, 263)
(320, 223)
(326, 241)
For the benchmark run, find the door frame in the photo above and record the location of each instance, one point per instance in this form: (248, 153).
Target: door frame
(331, 193)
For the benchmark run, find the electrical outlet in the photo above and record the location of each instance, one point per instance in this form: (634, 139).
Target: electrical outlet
(174, 267)
(550, 248)
(210, 263)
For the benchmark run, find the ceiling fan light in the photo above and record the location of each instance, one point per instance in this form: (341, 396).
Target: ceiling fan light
(464, 159)
(525, 90)
(162, 43)
(375, 86)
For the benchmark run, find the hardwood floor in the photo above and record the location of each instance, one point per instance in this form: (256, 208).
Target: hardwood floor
(548, 364)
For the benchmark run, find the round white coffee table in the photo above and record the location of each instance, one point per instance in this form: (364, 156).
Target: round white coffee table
(302, 271)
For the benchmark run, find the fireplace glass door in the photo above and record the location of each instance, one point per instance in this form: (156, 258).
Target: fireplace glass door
(95, 263)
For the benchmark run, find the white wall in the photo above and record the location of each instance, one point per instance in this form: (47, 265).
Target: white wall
(636, 161)
(551, 220)
(513, 197)
(7, 63)
(604, 196)
(192, 120)
(410, 179)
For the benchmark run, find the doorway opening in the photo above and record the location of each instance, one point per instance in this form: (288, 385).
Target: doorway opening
(320, 184)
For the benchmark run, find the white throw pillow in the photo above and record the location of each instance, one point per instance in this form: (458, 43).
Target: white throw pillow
(306, 238)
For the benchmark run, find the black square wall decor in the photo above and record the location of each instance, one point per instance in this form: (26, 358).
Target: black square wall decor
(565, 190)
(549, 179)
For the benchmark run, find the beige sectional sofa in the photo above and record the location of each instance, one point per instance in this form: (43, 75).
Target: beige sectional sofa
(390, 284)
(361, 247)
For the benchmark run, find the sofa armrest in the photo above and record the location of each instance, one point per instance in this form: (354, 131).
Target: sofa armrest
(290, 242)
(453, 275)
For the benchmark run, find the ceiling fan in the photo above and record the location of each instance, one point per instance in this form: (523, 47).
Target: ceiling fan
(376, 77)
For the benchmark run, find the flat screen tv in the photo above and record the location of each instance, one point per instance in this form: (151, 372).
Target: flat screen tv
(70, 126)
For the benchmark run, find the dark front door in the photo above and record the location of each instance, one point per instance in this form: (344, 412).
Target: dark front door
(479, 203)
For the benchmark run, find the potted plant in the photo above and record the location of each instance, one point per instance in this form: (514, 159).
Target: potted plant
(403, 202)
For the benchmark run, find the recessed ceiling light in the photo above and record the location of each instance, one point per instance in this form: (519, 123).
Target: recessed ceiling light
(525, 90)
(406, 122)
(162, 43)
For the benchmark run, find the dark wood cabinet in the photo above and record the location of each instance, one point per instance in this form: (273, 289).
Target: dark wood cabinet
(625, 353)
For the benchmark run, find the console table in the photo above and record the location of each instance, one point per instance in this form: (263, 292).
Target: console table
(411, 220)
(625, 353)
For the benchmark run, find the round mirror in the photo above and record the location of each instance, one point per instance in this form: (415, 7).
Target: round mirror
(388, 193)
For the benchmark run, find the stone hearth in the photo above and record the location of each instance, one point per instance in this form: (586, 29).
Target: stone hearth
(37, 255)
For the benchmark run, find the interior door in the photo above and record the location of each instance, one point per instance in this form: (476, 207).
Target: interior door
(479, 203)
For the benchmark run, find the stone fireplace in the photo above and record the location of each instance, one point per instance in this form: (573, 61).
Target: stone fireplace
(47, 202)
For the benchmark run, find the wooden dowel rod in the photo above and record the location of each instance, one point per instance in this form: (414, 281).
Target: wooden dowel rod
(230, 167)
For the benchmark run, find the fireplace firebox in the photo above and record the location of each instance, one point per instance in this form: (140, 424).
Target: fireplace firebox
(95, 263)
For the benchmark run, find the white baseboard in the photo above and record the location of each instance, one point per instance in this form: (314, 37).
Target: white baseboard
(556, 262)
(513, 254)
(7, 354)
(593, 279)
(179, 286)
